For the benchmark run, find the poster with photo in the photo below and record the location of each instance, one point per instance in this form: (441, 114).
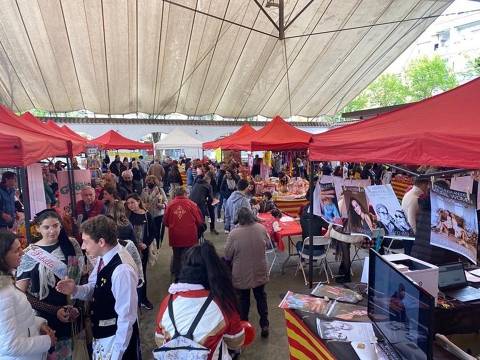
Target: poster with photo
(388, 211)
(360, 221)
(454, 224)
(465, 184)
(325, 203)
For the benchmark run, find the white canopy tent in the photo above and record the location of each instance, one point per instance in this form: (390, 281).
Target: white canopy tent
(178, 139)
(195, 57)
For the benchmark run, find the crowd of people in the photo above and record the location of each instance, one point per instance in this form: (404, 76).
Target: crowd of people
(89, 271)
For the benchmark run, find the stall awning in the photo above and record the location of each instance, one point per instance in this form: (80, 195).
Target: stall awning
(279, 135)
(443, 130)
(30, 122)
(178, 139)
(112, 140)
(245, 130)
(200, 57)
(21, 147)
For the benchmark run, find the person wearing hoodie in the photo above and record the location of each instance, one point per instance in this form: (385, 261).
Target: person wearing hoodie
(235, 202)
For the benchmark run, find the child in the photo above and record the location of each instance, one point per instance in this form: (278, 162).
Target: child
(255, 206)
(267, 204)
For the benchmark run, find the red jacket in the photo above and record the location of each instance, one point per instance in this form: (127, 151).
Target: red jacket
(182, 217)
(97, 208)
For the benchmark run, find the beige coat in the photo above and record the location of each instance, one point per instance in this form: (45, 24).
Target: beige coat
(246, 247)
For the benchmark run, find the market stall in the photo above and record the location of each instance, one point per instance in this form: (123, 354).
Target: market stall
(178, 139)
(440, 131)
(244, 130)
(113, 140)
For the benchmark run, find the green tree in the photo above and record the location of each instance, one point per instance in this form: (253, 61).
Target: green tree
(474, 66)
(387, 90)
(425, 76)
(359, 103)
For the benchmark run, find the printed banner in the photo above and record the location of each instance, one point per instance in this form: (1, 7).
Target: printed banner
(35, 189)
(82, 179)
(360, 221)
(325, 203)
(388, 210)
(465, 184)
(454, 222)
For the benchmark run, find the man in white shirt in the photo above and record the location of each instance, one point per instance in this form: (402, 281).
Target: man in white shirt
(112, 288)
(410, 205)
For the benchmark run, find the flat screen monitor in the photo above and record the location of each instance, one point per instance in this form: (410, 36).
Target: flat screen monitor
(401, 310)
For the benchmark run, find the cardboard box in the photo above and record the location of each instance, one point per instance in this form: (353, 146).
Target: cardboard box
(421, 272)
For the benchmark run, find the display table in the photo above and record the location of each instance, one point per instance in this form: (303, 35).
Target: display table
(304, 342)
(288, 229)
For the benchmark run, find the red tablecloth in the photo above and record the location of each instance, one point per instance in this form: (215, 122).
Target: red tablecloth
(289, 228)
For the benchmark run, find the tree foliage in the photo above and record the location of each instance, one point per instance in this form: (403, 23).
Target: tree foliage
(387, 90)
(426, 76)
(423, 77)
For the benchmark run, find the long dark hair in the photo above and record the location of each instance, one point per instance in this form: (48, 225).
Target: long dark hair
(136, 197)
(6, 241)
(203, 262)
(63, 241)
(355, 219)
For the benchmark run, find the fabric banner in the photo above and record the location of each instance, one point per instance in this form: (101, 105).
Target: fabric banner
(36, 190)
(360, 221)
(82, 179)
(388, 210)
(303, 344)
(325, 203)
(50, 261)
(454, 222)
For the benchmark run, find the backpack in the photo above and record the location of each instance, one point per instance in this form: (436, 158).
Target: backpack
(182, 347)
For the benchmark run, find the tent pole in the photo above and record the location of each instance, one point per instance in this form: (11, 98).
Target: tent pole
(26, 202)
(310, 228)
(71, 180)
(436, 173)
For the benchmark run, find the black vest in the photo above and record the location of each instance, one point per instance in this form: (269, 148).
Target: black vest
(102, 309)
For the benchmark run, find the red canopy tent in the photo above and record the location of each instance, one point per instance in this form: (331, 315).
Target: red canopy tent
(443, 130)
(19, 147)
(63, 130)
(279, 135)
(68, 130)
(30, 122)
(245, 131)
(113, 140)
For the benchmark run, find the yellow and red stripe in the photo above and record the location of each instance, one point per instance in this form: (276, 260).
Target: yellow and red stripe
(303, 344)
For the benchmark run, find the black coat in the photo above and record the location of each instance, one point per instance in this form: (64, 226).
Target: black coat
(202, 194)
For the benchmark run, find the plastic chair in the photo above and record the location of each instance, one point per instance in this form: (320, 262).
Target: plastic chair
(319, 242)
(270, 250)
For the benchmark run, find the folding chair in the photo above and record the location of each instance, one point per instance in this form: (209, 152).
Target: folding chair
(319, 242)
(270, 250)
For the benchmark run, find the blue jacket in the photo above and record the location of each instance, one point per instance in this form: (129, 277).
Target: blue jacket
(234, 203)
(7, 204)
(190, 178)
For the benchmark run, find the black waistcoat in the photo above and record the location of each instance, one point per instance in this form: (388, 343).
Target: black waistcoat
(102, 310)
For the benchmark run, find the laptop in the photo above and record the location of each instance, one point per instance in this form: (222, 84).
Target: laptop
(401, 312)
(453, 283)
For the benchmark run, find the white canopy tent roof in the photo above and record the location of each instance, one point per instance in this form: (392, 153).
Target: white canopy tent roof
(178, 139)
(200, 57)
